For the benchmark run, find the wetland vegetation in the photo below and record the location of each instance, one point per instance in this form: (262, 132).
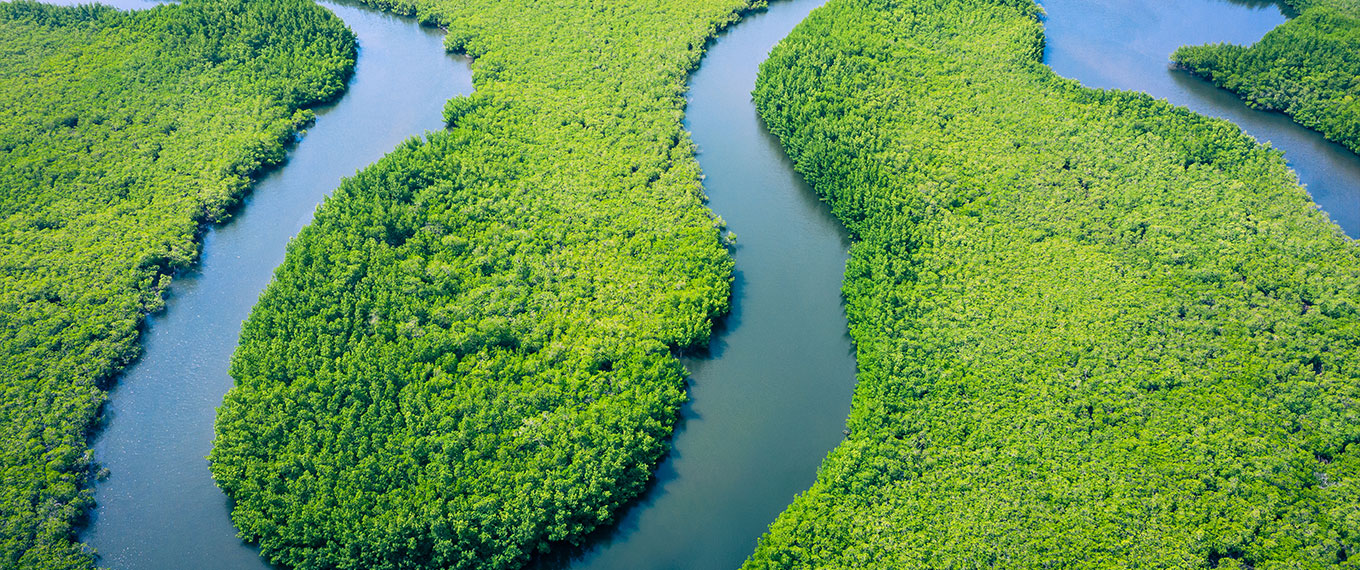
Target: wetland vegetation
(1092, 329)
(469, 354)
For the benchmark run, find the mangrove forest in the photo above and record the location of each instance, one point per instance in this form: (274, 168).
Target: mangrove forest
(1093, 330)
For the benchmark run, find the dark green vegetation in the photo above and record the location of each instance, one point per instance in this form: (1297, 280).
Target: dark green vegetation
(1093, 330)
(468, 355)
(1308, 68)
(120, 134)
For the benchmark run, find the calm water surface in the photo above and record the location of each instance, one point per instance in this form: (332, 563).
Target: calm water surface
(1127, 44)
(770, 399)
(159, 508)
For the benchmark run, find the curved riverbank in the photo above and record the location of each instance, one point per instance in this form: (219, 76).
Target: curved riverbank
(765, 405)
(159, 507)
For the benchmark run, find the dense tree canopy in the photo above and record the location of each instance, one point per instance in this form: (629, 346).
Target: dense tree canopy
(1308, 68)
(120, 133)
(467, 356)
(1093, 330)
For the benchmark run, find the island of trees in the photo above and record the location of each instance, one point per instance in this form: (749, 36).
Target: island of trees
(1308, 68)
(120, 135)
(1094, 330)
(468, 355)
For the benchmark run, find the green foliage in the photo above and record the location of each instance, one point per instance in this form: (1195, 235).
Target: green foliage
(468, 355)
(1308, 68)
(1094, 330)
(120, 133)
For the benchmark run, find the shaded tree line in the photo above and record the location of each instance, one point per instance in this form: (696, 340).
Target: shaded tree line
(1307, 68)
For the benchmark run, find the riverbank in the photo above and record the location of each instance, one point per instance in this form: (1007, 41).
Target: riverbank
(1125, 45)
(468, 355)
(769, 397)
(1307, 68)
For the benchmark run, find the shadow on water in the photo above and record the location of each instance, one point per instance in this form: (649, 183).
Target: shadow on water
(770, 396)
(159, 507)
(717, 346)
(1127, 44)
(1262, 4)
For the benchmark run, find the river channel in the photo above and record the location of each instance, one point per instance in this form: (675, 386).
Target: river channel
(771, 399)
(159, 508)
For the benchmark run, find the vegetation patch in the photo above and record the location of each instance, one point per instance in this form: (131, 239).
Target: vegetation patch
(1308, 68)
(1094, 330)
(468, 355)
(120, 134)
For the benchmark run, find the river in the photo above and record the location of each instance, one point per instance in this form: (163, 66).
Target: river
(772, 397)
(159, 508)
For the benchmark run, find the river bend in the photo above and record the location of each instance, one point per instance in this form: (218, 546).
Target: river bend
(769, 399)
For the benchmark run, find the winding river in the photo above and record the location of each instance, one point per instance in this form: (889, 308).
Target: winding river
(159, 508)
(769, 398)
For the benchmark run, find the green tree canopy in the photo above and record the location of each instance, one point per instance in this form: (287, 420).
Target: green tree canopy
(1307, 68)
(467, 356)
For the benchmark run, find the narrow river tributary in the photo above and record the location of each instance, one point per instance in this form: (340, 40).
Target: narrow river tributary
(773, 395)
(770, 398)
